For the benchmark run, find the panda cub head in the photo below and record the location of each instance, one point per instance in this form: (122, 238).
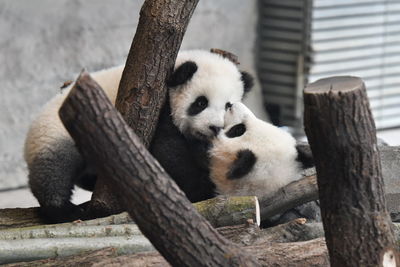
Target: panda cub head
(250, 156)
(201, 88)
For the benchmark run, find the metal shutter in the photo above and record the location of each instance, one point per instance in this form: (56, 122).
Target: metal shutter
(347, 37)
(282, 48)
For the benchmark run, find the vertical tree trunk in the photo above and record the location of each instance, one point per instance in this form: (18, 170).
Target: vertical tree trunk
(142, 90)
(342, 136)
(160, 209)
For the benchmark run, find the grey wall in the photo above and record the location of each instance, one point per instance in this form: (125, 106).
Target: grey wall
(46, 42)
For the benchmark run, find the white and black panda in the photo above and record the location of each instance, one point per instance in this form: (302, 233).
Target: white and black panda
(251, 156)
(201, 88)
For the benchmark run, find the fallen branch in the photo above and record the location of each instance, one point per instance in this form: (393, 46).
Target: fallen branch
(309, 253)
(219, 211)
(290, 196)
(19, 217)
(152, 198)
(225, 211)
(73, 238)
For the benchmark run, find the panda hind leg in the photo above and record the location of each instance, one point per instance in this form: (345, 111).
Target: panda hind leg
(51, 179)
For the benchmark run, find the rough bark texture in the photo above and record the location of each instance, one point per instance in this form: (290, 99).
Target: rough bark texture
(142, 90)
(341, 132)
(161, 210)
(289, 196)
(19, 217)
(299, 254)
(225, 211)
(219, 211)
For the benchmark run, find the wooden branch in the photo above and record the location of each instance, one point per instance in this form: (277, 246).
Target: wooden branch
(225, 211)
(309, 253)
(142, 90)
(289, 196)
(71, 238)
(19, 217)
(219, 211)
(341, 131)
(75, 241)
(152, 198)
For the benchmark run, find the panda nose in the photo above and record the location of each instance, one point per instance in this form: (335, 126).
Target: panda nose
(215, 129)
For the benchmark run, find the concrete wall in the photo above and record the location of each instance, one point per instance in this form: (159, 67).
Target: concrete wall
(45, 42)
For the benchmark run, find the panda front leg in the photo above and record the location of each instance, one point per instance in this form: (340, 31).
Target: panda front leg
(51, 178)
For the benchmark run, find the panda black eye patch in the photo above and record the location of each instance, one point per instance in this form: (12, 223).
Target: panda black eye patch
(200, 104)
(228, 105)
(243, 164)
(237, 130)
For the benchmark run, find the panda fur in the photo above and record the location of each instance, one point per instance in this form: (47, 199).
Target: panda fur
(200, 88)
(252, 157)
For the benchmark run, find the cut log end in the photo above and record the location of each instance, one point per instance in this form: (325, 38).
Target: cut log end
(336, 84)
(258, 214)
(389, 258)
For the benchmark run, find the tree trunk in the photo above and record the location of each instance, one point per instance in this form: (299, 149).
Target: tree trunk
(161, 210)
(341, 132)
(142, 90)
(229, 210)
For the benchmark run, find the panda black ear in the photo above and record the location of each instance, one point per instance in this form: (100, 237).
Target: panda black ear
(304, 155)
(242, 165)
(182, 74)
(248, 81)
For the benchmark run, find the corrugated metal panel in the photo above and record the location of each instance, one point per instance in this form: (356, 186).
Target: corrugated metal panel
(282, 45)
(361, 38)
(347, 37)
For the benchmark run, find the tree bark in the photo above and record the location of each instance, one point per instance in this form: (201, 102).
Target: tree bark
(342, 136)
(142, 89)
(225, 210)
(289, 196)
(19, 217)
(219, 211)
(299, 254)
(161, 210)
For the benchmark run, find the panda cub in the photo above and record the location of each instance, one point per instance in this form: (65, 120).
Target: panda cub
(201, 87)
(250, 156)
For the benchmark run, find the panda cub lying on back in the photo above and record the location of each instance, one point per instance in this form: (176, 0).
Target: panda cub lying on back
(250, 156)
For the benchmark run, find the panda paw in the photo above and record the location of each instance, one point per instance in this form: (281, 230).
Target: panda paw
(66, 213)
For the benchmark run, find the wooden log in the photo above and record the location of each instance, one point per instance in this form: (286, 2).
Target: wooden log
(225, 211)
(309, 253)
(19, 217)
(33, 243)
(289, 196)
(219, 211)
(341, 131)
(142, 89)
(152, 198)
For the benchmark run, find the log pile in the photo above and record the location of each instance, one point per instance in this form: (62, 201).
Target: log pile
(223, 231)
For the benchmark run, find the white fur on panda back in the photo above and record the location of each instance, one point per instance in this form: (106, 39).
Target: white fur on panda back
(47, 129)
(276, 164)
